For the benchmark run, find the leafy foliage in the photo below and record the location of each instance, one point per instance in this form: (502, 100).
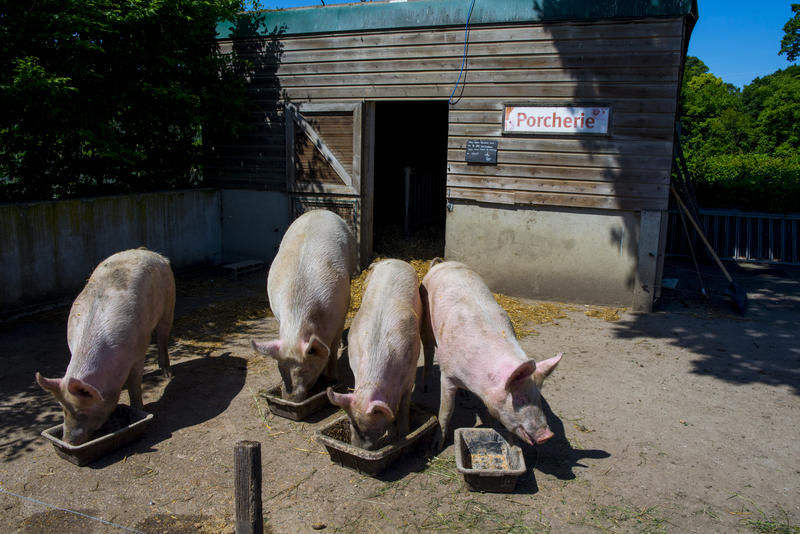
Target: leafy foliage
(790, 44)
(101, 96)
(774, 104)
(748, 181)
(742, 146)
(712, 118)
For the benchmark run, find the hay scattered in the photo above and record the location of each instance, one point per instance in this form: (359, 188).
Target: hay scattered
(207, 326)
(391, 242)
(524, 315)
(260, 365)
(443, 467)
(357, 287)
(358, 284)
(606, 314)
(214, 526)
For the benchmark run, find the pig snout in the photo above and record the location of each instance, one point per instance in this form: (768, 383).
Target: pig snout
(542, 435)
(77, 431)
(538, 437)
(297, 394)
(370, 439)
(76, 436)
(294, 389)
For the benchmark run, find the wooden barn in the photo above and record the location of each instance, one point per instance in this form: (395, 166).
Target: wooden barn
(536, 136)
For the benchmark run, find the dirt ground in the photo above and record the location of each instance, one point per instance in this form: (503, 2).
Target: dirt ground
(682, 420)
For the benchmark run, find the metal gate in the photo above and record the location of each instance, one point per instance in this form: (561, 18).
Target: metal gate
(741, 236)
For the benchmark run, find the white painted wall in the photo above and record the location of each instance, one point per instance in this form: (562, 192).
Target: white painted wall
(563, 255)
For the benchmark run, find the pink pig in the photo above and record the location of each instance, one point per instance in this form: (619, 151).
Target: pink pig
(383, 349)
(308, 286)
(477, 350)
(129, 296)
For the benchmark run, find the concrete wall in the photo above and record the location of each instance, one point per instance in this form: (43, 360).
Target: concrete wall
(563, 255)
(253, 223)
(49, 249)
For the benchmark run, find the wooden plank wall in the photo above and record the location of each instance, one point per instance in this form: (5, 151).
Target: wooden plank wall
(337, 131)
(634, 66)
(256, 158)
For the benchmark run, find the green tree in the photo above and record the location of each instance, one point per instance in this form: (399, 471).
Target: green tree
(773, 102)
(104, 96)
(693, 67)
(712, 115)
(790, 44)
(742, 147)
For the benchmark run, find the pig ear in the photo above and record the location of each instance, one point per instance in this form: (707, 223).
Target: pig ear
(342, 400)
(268, 348)
(53, 385)
(545, 367)
(81, 389)
(523, 371)
(316, 347)
(378, 406)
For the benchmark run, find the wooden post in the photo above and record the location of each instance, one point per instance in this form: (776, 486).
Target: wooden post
(247, 487)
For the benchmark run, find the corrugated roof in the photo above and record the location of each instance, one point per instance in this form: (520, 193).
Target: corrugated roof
(365, 16)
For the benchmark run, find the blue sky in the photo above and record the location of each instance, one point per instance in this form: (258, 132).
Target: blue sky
(738, 39)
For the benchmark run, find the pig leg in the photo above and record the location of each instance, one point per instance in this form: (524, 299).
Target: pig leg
(446, 406)
(162, 341)
(333, 357)
(427, 366)
(428, 348)
(134, 385)
(404, 415)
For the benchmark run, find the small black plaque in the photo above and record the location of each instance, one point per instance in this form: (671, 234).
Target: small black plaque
(481, 151)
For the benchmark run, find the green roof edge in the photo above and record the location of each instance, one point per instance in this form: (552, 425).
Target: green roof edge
(368, 16)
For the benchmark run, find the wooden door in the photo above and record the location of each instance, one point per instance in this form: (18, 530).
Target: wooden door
(329, 164)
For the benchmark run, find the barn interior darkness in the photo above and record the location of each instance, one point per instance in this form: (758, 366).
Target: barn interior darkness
(410, 176)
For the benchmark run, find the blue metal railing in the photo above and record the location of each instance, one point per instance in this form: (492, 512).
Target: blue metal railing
(741, 236)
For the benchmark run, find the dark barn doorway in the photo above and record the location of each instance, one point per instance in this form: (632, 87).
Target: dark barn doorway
(410, 178)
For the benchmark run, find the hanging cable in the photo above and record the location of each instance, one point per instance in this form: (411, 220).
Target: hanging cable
(464, 58)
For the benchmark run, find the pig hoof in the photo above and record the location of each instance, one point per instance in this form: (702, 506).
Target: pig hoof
(166, 373)
(437, 442)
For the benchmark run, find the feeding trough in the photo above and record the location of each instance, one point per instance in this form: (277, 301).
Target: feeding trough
(125, 425)
(297, 411)
(335, 437)
(487, 461)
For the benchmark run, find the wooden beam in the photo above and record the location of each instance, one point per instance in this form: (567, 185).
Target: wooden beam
(247, 487)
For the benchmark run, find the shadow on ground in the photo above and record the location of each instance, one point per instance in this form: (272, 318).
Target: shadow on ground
(200, 390)
(210, 307)
(557, 457)
(31, 344)
(762, 345)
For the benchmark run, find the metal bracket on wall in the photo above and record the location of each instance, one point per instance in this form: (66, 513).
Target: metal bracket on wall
(346, 208)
